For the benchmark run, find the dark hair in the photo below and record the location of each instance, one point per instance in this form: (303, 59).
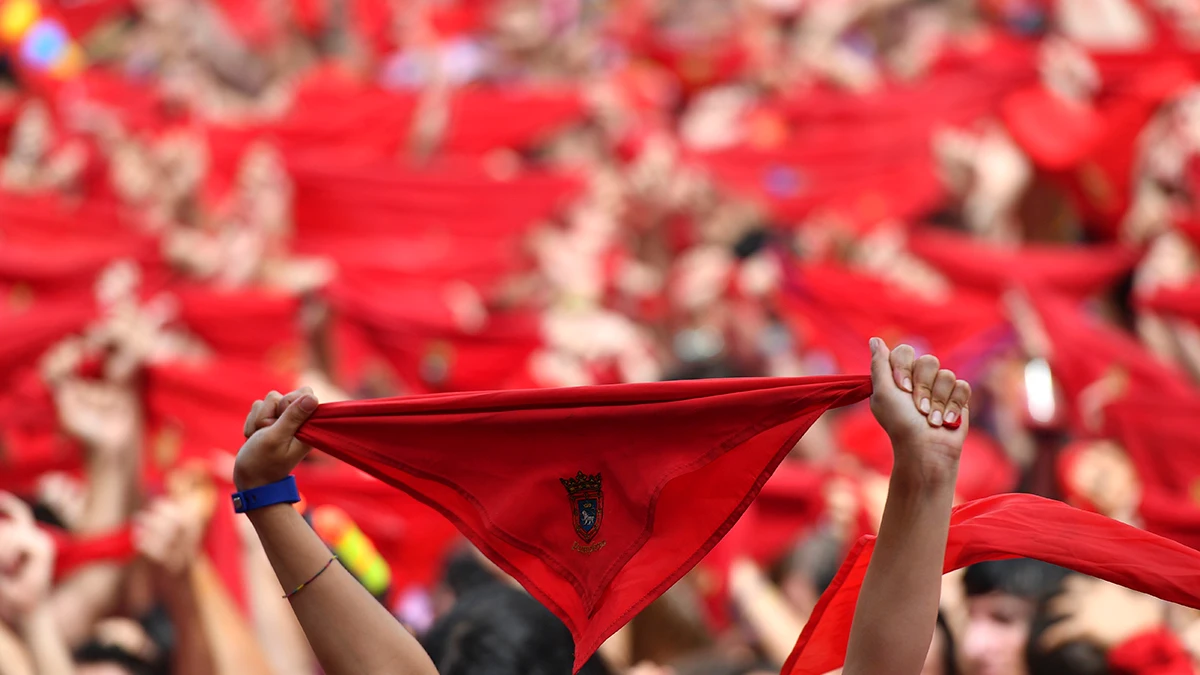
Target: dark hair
(464, 572)
(94, 652)
(498, 630)
(1022, 577)
(161, 633)
(818, 557)
(949, 651)
(1077, 657)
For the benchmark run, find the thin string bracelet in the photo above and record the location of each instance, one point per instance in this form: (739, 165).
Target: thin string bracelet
(314, 578)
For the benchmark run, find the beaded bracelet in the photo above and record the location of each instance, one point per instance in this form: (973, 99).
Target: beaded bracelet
(314, 578)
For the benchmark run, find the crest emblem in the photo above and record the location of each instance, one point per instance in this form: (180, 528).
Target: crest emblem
(587, 504)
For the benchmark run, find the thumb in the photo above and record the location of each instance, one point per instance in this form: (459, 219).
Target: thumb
(294, 417)
(881, 366)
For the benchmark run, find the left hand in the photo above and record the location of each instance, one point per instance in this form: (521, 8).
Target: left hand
(923, 409)
(26, 560)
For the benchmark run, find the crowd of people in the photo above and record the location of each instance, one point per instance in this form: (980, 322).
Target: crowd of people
(201, 202)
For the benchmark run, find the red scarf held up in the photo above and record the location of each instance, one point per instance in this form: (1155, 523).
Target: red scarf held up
(1012, 526)
(596, 499)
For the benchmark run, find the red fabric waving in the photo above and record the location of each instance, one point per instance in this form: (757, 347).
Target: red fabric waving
(194, 409)
(1012, 526)
(588, 496)
(1083, 350)
(73, 553)
(413, 538)
(26, 335)
(984, 469)
(1182, 302)
(838, 310)
(416, 330)
(255, 325)
(1161, 438)
(982, 266)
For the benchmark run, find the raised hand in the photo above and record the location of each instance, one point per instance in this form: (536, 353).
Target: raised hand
(271, 450)
(168, 534)
(103, 415)
(26, 560)
(923, 408)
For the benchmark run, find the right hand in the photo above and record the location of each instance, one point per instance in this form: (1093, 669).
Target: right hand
(104, 416)
(168, 534)
(923, 409)
(26, 560)
(271, 450)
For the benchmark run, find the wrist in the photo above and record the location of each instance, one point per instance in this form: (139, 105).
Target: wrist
(282, 491)
(923, 469)
(246, 478)
(37, 619)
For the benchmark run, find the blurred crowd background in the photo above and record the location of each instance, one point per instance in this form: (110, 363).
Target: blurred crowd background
(205, 200)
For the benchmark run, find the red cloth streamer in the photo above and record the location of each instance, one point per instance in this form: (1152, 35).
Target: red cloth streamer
(974, 264)
(589, 496)
(838, 310)
(1012, 526)
(73, 553)
(1181, 302)
(1084, 350)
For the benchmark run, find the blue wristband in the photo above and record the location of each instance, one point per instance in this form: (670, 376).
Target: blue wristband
(279, 492)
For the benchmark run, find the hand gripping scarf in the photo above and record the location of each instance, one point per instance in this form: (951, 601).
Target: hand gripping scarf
(596, 499)
(1012, 526)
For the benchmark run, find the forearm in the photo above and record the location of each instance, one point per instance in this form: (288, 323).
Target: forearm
(897, 609)
(766, 611)
(192, 654)
(349, 631)
(275, 625)
(47, 648)
(14, 658)
(92, 591)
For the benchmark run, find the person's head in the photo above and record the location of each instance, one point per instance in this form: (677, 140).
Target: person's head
(1002, 598)
(495, 629)
(942, 658)
(805, 573)
(1099, 476)
(1077, 657)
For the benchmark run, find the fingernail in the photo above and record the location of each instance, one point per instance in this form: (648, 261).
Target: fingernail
(874, 342)
(307, 403)
(936, 418)
(908, 384)
(925, 406)
(951, 416)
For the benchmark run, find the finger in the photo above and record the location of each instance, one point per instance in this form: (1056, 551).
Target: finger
(903, 359)
(271, 405)
(251, 420)
(283, 404)
(960, 398)
(943, 387)
(291, 398)
(15, 510)
(880, 354)
(293, 418)
(924, 372)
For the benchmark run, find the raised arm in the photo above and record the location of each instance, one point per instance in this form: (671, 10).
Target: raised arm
(350, 632)
(897, 609)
